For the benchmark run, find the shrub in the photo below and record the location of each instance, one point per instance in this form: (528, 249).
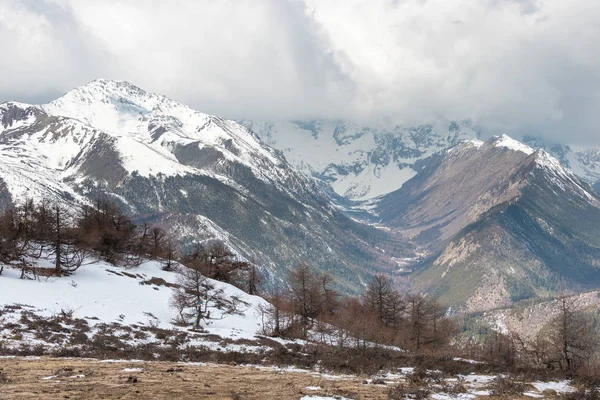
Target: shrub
(421, 377)
(581, 394)
(400, 392)
(506, 387)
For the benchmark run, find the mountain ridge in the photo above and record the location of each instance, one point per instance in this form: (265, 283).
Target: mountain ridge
(498, 222)
(198, 175)
(358, 162)
(203, 177)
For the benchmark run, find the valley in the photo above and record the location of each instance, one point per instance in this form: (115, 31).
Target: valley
(177, 236)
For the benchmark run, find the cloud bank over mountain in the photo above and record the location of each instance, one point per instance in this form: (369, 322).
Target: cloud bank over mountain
(519, 66)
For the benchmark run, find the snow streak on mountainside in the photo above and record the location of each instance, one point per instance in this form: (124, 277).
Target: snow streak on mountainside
(198, 175)
(360, 162)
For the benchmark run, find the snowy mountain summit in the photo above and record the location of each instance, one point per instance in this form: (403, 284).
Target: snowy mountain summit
(148, 126)
(200, 176)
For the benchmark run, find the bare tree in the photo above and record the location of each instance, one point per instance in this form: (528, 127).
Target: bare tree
(273, 321)
(153, 241)
(381, 299)
(304, 294)
(329, 297)
(63, 242)
(216, 261)
(106, 230)
(570, 335)
(10, 246)
(168, 262)
(253, 279)
(19, 237)
(191, 298)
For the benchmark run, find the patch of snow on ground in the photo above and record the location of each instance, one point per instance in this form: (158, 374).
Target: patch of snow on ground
(534, 395)
(467, 361)
(323, 398)
(479, 379)
(559, 387)
(446, 396)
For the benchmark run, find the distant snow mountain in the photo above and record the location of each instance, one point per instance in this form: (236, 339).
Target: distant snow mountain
(198, 175)
(584, 162)
(496, 222)
(360, 162)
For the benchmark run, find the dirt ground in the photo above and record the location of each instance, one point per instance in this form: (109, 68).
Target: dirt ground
(56, 378)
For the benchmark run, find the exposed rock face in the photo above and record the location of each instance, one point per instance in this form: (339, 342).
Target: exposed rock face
(482, 225)
(584, 162)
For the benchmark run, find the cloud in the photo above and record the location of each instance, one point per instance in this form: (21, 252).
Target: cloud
(45, 51)
(515, 66)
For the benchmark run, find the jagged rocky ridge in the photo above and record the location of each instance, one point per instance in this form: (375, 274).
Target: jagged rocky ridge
(497, 222)
(360, 162)
(198, 175)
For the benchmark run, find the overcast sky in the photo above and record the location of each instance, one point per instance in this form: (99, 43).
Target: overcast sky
(514, 66)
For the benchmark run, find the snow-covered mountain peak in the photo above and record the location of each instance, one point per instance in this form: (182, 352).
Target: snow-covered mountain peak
(135, 132)
(561, 176)
(583, 161)
(153, 134)
(544, 159)
(112, 91)
(505, 141)
(14, 104)
(116, 106)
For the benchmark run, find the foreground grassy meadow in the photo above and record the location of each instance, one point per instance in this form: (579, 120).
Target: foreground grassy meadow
(57, 378)
(79, 378)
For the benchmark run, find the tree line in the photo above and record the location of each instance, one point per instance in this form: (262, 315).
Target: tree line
(567, 342)
(68, 236)
(309, 305)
